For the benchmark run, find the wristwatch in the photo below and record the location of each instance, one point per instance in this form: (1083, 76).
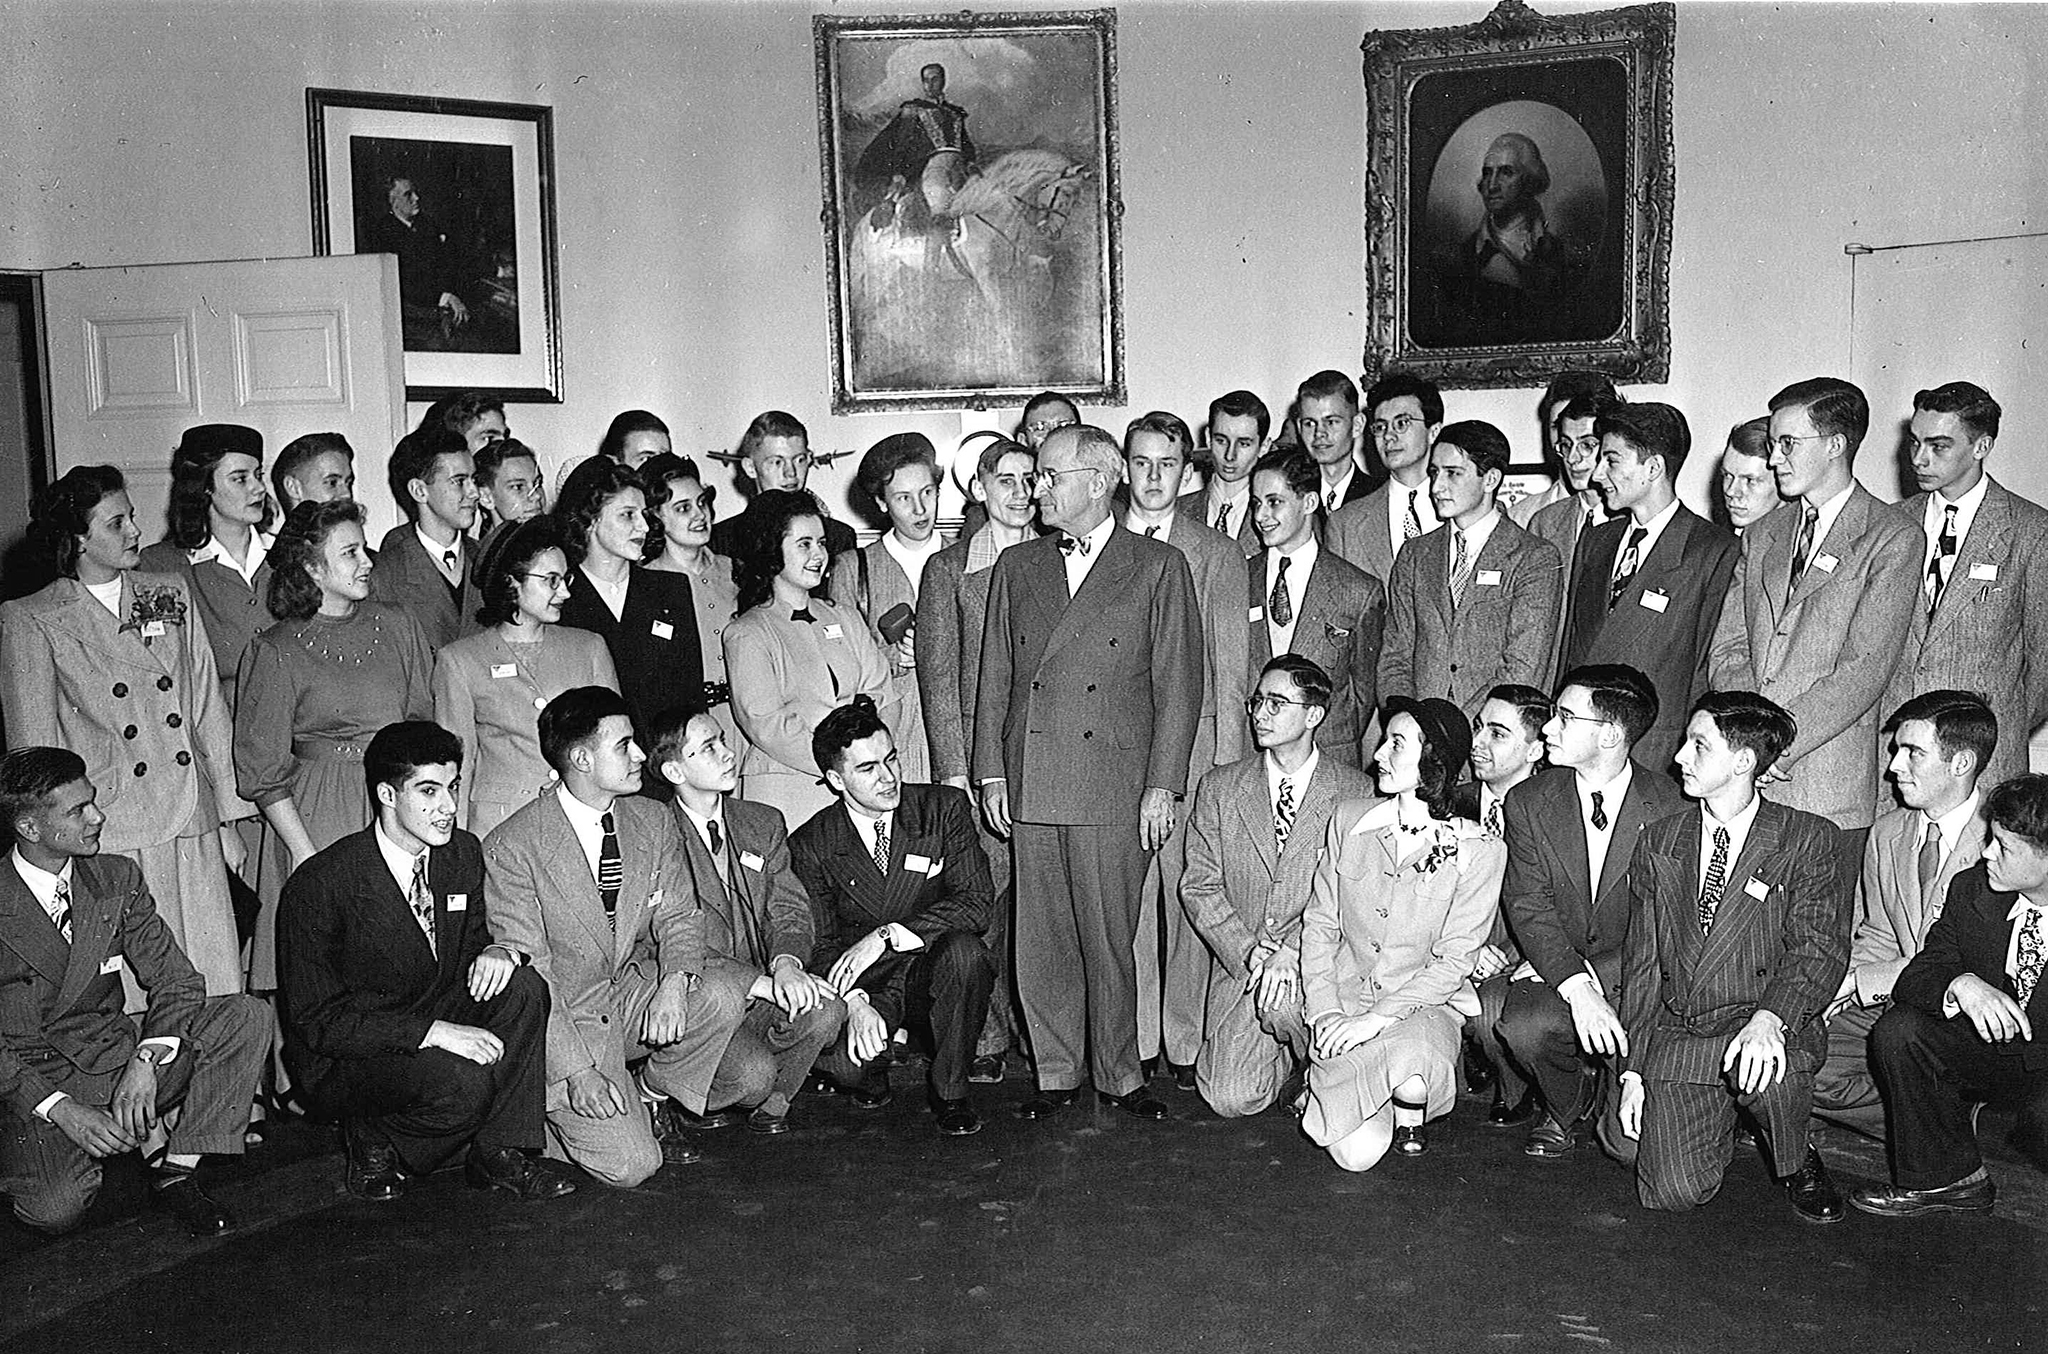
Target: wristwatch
(147, 1053)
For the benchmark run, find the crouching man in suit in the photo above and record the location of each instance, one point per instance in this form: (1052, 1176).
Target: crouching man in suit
(77, 1082)
(402, 1018)
(900, 890)
(1969, 1020)
(758, 928)
(588, 883)
(1738, 937)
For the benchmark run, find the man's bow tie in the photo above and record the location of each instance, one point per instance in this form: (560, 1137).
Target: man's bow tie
(803, 613)
(1070, 544)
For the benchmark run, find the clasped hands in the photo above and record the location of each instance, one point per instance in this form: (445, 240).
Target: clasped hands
(1755, 1060)
(128, 1121)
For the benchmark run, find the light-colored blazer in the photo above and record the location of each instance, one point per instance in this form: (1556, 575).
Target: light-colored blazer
(1387, 937)
(1892, 918)
(1360, 533)
(1524, 509)
(1990, 630)
(1827, 653)
(145, 712)
(1239, 887)
(782, 686)
(1217, 566)
(1504, 631)
(1194, 507)
(544, 903)
(952, 608)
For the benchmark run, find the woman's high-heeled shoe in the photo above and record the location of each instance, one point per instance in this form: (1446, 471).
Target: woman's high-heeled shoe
(1409, 1140)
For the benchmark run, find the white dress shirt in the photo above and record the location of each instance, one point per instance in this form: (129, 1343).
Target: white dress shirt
(1078, 564)
(1300, 564)
(588, 825)
(1237, 497)
(1829, 511)
(1398, 498)
(1611, 794)
(1738, 833)
(439, 553)
(1653, 531)
(213, 551)
(1298, 778)
(718, 857)
(1334, 490)
(911, 557)
(1966, 514)
(1476, 537)
(1949, 828)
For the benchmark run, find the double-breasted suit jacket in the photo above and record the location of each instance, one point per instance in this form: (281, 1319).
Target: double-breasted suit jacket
(1663, 623)
(1989, 630)
(1195, 508)
(1339, 625)
(1827, 652)
(406, 578)
(546, 905)
(765, 912)
(1086, 702)
(1780, 942)
(1893, 917)
(653, 640)
(1502, 631)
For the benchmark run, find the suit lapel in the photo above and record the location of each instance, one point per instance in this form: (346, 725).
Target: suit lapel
(1256, 812)
(93, 924)
(1107, 581)
(1843, 536)
(1312, 622)
(1571, 842)
(1777, 534)
(1988, 544)
(570, 869)
(1629, 818)
(1731, 917)
(1314, 806)
(1261, 637)
(27, 930)
(82, 617)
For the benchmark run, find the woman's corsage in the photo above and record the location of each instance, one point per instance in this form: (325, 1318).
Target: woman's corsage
(1443, 849)
(153, 609)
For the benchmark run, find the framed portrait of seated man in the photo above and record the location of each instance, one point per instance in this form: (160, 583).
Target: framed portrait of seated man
(1519, 193)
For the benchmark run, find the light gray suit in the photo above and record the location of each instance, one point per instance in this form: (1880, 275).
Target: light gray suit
(1503, 631)
(1361, 534)
(1989, 632)
(1826, 653)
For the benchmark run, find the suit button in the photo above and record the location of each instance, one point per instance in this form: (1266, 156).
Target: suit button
(141, 769)
(120, 691)
(184, 759)
(604, 1020)
(163, 684)
(1454, 667)
(1091, 686)
(129, 732)
(1034, 686)
(1383, 912)
(174, 719)
(1112, 644)
(1088, 734)
(1762, 972)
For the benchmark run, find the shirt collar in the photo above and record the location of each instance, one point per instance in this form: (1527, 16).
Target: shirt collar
(1966, 506)
(717, 815)
(398, 860)
(435, 552)
(2021, 905)
(581, 816)
(213, 552)
(1477, 535)
(864, 823)
(1611, 794)
(1303, 555)
(1829, 511)
(40, 881)
(1098, 536)
(1222, 491)
(1161, 532)
(1953, 822)
(1739, 825)
(1298, 778)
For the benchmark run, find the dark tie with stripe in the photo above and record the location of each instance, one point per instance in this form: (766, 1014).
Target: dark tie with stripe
(1802, 552)
(611, 869)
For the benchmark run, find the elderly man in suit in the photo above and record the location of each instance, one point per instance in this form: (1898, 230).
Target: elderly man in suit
(1941, 741)
(1738, 939)
(1253, 841)
(1091, 682)
(1983, 621)
(1306, 600)
(1820, 607)
(78, 1081)
(1961, 1028)
(1570, 834)
(402, 1017)
(1237, 428)
(901, 893)
(1647, 585)
(424, 564)
(1475, 603)
(588, 885)
(758, 929)
(1173, 966)
(1405, 414)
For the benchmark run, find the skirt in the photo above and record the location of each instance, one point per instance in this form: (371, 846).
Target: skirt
(188, 878)
(1347, 1090)
(332, 802)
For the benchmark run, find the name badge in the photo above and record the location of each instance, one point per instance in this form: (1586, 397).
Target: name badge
(111, 964)
(152, 629)
(458, 902)
(1488, 578)
(503, 670)
(833, 632)
(1656, 601)
(654, 901)
(1257, 614)
(1757, 889)
(1825, 563)
(663, 630)
(752, 861)
(1984, 573)
(917, 864)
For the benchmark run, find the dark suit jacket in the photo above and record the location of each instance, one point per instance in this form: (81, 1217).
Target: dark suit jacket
(1502, 632)
(1547, 894)
(766, 911)
(1664, 623)
(1970, 936)
(406, 578)
(849, 897)
(1086, 703)
(653, 643)
(1339, 617)
(1684, 995)
(356, 976)
(61, 1021)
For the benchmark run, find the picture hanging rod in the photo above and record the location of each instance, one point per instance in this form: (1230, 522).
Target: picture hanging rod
(1856, 249)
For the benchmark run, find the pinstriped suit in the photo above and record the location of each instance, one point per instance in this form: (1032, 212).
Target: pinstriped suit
(1503, 631)
(1780, 942)
(1240, 889)
(1989, 634)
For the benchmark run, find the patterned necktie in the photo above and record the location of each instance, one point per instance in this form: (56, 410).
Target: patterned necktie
(1411, 525)
(1599, 815)
(1802, 550)
(1717, 879)
(62, 901)
(1281, 605)
(1944, 561)
(611, 869)
(422, 901)
(1461, 568)
(1494, 827)
(882, 847)
(1625, 568)
(1223, 519)
(1283, 813)
(1928, 866)
(2033, 949)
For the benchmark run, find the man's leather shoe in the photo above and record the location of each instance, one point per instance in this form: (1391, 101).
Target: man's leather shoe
(511, 1170)
(871, 1095)
(955, 1118)
(1148, 1068)
(1552, 1139)
(1504, 1115)
(1139, 1104)
(817, 1083)
(372, 1164)
(1046, 1104)
(1183, 1075)
(767, 1123)
(1409, 1140)
(676, 1147)
(1813, 1193)
(730, 1117)
(182, 1198)
(987, 1070)
(1479, 1073)
(1891, 1201)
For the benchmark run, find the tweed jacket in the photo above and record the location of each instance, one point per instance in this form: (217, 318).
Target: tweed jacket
(1361, 534)
(952, 609)
(405, 578)
(1971, 936)
(1502, 632)
(1339, 624)
(1218, 569)
(1892, 916)
(1194, 507)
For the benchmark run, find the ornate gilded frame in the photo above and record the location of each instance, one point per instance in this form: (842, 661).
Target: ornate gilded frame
(1609, 73)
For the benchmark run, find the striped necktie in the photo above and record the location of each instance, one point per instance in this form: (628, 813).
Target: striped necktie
(1461, 568)
(1803, 551)
(1717, 879)
(611, 869)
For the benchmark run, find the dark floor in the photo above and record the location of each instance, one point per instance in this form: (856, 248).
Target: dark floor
(864, 1231)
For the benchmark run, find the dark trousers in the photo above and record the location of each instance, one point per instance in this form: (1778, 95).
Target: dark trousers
(1510, 1083)
(1931, 1072)
(1689, 1135)
(1536, 1026)
(210, 1084)
(940, 994)
(431, 1103)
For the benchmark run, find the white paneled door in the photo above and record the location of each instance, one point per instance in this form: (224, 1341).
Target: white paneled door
(286, 346)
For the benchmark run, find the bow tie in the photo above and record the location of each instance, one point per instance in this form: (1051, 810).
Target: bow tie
(1071, 544)
(803, 613)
